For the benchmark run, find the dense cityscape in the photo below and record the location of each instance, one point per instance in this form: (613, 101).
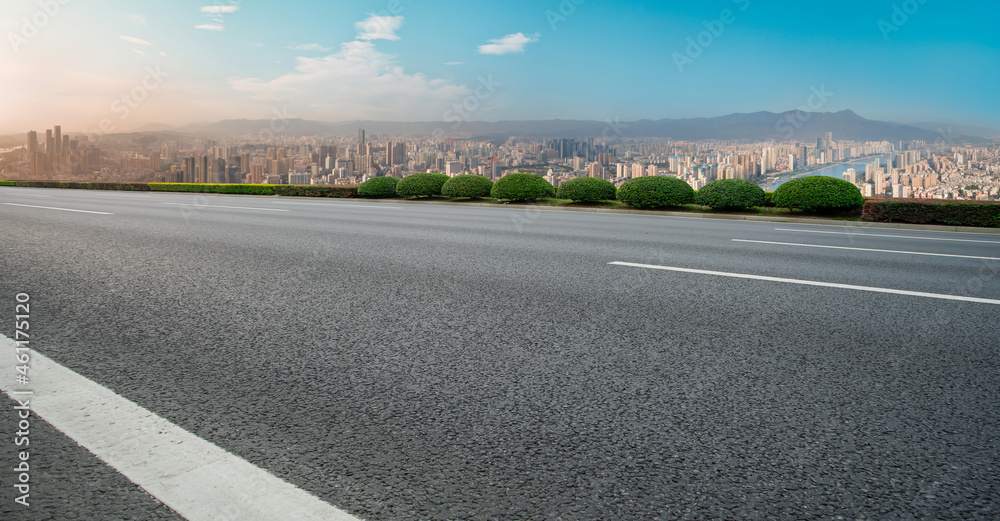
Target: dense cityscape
(904, 169)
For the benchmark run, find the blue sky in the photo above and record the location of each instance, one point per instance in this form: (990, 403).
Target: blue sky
(134, 62)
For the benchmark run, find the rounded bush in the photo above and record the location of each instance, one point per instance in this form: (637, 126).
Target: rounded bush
(655, 192)
(818, 194)
(472, 186)
(522, 187)
(587, 189)
(730, 194)
(384, 186)
(421, 185)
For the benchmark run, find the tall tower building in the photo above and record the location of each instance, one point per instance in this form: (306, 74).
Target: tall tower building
(58, 138)
(32, 142)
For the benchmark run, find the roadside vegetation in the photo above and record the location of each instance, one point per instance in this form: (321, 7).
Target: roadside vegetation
(821, 197)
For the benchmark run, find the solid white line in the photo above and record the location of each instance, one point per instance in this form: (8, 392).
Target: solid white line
(197, 206)
(812, 283)
(195, 478)
(868, 249)
(54, 208)
(864, 234)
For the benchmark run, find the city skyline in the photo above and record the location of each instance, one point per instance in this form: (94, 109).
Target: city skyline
(120, 66)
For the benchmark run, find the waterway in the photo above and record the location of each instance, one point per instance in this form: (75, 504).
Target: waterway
(831, 171)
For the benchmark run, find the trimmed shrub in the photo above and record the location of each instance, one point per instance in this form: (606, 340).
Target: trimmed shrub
(587, 189)
(421, 185)
(655, 192)
(214, 188)
(818, 194)
(522, 187)
(8, 183)
(952, 213)
(316, 191)
(730, 194)
(768, 200)
(471, 186)
(142, 187)
(376, 187)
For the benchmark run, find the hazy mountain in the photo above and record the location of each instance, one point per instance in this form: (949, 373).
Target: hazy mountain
(757, 126)
(966, 130)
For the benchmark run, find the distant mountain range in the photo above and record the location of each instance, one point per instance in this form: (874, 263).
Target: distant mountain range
(758, 126)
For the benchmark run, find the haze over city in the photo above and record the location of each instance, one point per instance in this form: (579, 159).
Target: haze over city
(140, 65)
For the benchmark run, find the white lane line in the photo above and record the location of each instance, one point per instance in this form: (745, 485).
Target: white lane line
(195, 478)
(338, 205)
(812, 283)
(865, 234)
(196, 206)
(54, 208)
(869, 249)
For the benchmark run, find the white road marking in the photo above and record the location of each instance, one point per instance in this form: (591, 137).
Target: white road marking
(338, 205)
(20, 194)
(54, 208)
(866, 234)
(195, 478)
(196, 206)
(869, 249)
(812, 283)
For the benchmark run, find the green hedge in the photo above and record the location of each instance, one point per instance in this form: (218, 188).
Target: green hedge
(421, 185)
(335, 191)
(214, 188)
(952, 213)
(655, 192)
(140, 187)
(470, 186)
(818, 194)
(587, 189)
(8, 183)
(378, 187)
(768, 200)
(730, 194)
(522, 187)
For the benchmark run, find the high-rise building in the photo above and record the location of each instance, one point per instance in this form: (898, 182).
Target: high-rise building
(32, 142)
(58, 138)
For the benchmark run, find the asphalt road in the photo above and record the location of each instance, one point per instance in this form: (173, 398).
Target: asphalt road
(409, 362)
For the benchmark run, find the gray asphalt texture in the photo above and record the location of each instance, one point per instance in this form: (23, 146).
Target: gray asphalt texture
(409, 362)
(68, 483)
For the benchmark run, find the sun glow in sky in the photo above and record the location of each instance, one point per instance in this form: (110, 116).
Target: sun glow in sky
(134, 63)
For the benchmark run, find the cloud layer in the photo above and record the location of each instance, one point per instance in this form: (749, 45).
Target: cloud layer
(512, 43)
(379, 27)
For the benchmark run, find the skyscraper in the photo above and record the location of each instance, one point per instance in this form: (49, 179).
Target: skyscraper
(58, 138)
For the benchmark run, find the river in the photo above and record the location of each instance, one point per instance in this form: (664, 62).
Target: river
(830, 171)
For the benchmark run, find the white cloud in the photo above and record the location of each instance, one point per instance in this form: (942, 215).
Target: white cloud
(137, 19)
(253, 44)
(216, 9)
(136, 41)
(508, 44)
(379, 27)
(455, 63)
(162, 53)
(139, 52)
(209, 27)
(311, 47)
(357, 82)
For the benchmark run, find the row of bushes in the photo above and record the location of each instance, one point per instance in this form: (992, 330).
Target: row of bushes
(952, 213)
(130, 187)
(815, 194)
(252, 189)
